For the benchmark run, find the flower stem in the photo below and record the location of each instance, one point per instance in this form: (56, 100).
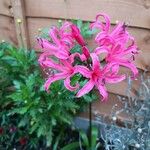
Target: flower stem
(90, 125)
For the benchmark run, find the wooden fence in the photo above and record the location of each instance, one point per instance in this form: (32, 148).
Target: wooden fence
(35, 14)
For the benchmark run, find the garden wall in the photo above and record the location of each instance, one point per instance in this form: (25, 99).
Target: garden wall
(36, 14)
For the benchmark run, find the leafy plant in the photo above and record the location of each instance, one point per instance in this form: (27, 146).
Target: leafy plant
(23, 99)
(84, 142)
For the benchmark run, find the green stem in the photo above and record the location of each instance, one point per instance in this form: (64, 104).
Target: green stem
(90, 125)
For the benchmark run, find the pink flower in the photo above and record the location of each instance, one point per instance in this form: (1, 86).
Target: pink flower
(80, 40)
(65, 70)
(60, 44)
(98, 77)
(120, 55)
(59, 60)
(105, 37)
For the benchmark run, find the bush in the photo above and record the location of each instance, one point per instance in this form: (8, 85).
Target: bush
(30, 117)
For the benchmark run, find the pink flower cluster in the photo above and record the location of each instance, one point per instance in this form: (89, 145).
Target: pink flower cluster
(117, 44)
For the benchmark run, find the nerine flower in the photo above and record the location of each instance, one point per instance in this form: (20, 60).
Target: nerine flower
(107, 37)
(120, 55)
(60, 44)
(115, 44)
(98, 77)
(64, 71)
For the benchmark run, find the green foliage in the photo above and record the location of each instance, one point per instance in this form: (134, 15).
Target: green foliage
(23, 99)
(84, 141)
(71, 146)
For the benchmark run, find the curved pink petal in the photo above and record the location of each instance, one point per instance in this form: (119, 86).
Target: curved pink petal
(81, 56)
(83, 71)
(103, 92)
(114, 69)
(67, 64)
(115, 79)
(61, 54)
(118, 29)
(102, 49)
(42, 58)
(104, 38)
(95, 62)
(68, 85)
(66, 34)
(119, 33)
(99, 24)
(131, 66)
(54, 35)
(54, 78)
(46, 45)
(131, 41)
(68, 40)
(110, 68)
(50, 63)
(86, 88)
(65, 26)
(117, 49)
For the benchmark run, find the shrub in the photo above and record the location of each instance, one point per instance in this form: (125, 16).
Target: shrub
(29, 116)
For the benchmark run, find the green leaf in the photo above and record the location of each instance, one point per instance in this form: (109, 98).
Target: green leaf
(94, 136)
(22, 123)
(84, 138)
(1, 53)
(88, 98)
(34, 127)
(49, 137)
(75, 79)
(55, 147)
(72, 146)
(21, 110)
(16, 84)
(40, 131)
(79, 23)
(15, 96)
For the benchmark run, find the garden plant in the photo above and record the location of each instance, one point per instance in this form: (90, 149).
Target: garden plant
(40, 96)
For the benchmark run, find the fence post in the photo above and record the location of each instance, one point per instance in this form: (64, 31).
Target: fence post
(20, 23)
